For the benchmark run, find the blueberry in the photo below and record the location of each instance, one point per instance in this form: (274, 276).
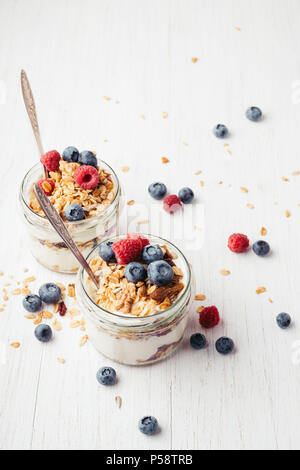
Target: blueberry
(224, 345)
(160, 273)
(50, 293)
(220, 131)
(186, 195)
(197, 341)
(32, 303)
(253, 113)
(152, 253)
(106, 376)
(157, 190)
(261, 248)
(148, 425)
(106, 252)
(74, 212)
(70, 154)
(87, 158)
(135, 272)
(283, 320)
(43, 333)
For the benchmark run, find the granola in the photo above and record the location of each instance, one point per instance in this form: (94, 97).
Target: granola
(117, 294)
(67, 191)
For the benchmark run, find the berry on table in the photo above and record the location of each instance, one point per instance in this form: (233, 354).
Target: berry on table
(261, 248)
(186, 195)
(160, 273)
(157, 190)
(148, 425)
(224, 345)
(106, 252)
(127, 250)
(70, 154)
(32, 303)
(253, 113)
(43, 333)
(47, 186)
(50, 293)
(106, 376)
(238, 242)
(86, 176)
(135, 272)
(197, 341)
(172, 203)
(51, 160)
(283, 320)
(136, 236)
(74, 212)
(209, 317)
(152, 253)
(87, 158)
(220, 131)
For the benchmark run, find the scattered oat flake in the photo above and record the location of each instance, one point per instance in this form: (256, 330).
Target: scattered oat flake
(165, 160)
(29, 279)
(237, 28)
(25, 270)
(61, 286)
(229, 151)
(38, 319)
(125, 169)
(197, 172)
(261, 290)
(225, 272)
(199, 309)
(118, 401)
(1, 309)
(202, 183)
(25, 291)
(57, 325)
(61, 360)
(15, 345)
(83, 340)
(185, 144)
(270, 300)
(143, 117)
(200, 297)
(243, 189)
(71, 290)
(130, 203)
(250, 206)
(106, 98)
(287, 214)
(263, 231)
(194, 60)
(75, 323)
(46, 314)
(197, 228)
(140, 222)
(164, 115)
(30, 316)
(1, 273)
(284, 178)
(295, 173)
(73, 312)
(16, 291)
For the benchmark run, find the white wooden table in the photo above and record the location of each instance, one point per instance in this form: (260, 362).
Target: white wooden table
(138, 53)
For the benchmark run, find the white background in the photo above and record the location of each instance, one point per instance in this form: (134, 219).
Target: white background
(139, 52)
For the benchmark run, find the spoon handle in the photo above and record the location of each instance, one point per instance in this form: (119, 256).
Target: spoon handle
(31, 111)
(58, 224)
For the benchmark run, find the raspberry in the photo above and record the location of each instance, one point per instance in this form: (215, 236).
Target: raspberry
(86, 176)
(136, 236)
(172, 203)
(127, 250)
(237, 242)
(51, 160)
(209, 317)
(47, 186)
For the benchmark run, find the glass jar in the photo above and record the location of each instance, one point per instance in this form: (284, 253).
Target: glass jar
(136, 340)
(44, 242)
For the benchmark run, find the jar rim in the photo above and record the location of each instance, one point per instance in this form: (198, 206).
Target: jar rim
(133, 317)
(39, 218)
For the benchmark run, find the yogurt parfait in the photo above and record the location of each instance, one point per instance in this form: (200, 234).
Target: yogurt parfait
(139, 312)
(85, 191)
